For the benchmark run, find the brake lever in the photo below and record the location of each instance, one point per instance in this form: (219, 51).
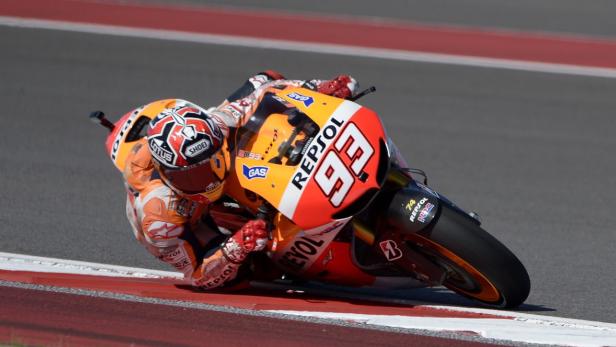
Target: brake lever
(363, 93)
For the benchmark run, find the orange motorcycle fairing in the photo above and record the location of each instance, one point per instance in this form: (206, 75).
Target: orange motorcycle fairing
(316, 195)
(339, 165)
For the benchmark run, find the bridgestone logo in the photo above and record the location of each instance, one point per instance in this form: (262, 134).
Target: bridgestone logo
(197, 148)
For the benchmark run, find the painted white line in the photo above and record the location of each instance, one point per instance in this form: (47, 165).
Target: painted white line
(19, 262)
(378, 53)
(540, 330)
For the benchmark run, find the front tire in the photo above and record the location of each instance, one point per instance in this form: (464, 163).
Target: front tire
(477, 265)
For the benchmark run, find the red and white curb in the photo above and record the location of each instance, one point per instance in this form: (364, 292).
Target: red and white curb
(492, 324)
(19, 262)
(519, 328)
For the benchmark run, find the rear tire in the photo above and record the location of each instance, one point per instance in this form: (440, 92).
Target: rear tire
(478, 265)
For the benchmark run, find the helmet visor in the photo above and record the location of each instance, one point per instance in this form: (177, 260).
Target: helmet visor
(192, 179)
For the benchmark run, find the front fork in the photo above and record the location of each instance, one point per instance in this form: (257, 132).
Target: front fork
(412, 209)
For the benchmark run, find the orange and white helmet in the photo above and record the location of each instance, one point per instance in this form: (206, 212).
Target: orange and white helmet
(186, 144)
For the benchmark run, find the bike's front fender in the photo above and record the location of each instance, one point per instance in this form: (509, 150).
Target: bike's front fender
(412, 209)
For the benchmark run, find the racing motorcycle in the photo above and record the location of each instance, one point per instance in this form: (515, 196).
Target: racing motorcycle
(342, 206)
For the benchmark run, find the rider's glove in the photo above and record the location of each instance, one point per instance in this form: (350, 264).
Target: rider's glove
(343, 86)
(272, 74)
(251, 237)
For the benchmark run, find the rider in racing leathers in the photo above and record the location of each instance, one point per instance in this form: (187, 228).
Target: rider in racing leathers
(177, 171)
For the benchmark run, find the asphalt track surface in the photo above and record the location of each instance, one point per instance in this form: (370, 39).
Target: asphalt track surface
(564, 16)
(531, 152)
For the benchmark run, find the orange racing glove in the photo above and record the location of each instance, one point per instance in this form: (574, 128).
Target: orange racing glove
(251, 237)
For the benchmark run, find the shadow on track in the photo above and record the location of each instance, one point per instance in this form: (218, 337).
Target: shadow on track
(367, 297)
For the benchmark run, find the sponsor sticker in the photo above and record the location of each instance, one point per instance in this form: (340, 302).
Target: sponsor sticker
(118, 139)
(300, 254)
(160, 153)
(197, 148)
(417, 208)
(312, 155)
(306, 100)
(410, 205)
(221, 278)
(425, 212)
(303, 252)
(250, 155)
(390, 250)
(251, 172)
(312, 160)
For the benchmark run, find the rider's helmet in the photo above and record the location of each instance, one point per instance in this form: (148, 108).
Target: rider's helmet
(186, 146)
